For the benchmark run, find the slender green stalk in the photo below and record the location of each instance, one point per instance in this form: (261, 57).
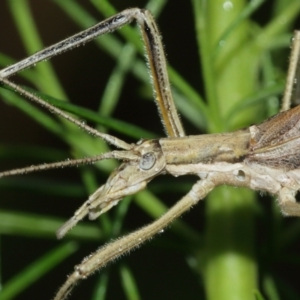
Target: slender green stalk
(229, 267)
(37, 269)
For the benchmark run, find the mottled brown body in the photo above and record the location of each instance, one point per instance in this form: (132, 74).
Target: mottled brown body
(207, 148)
(274, 143)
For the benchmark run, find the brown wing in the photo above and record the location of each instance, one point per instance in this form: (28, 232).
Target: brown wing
(276, 142)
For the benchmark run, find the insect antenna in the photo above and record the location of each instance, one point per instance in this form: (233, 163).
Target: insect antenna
(116, 154)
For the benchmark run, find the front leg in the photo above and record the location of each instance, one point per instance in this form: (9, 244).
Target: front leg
(123, 245)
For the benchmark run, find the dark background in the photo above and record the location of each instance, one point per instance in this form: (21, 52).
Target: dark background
(161, 273)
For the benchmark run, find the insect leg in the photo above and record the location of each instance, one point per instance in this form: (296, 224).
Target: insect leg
(154, 50)
(291, 76)
(287, 202)
(113, 250)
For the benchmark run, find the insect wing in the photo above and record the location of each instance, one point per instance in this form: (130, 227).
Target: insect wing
(275, 142)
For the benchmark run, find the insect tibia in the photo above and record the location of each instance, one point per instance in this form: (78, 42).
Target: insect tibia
(35, 99)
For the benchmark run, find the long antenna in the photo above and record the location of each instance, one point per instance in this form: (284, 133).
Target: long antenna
(116, 154)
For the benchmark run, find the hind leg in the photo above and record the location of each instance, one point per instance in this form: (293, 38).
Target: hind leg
(287, 202)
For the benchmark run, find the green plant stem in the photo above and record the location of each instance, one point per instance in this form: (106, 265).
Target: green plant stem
(229, 271)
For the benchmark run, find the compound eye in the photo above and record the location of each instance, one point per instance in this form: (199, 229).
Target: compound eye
(147, 161)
